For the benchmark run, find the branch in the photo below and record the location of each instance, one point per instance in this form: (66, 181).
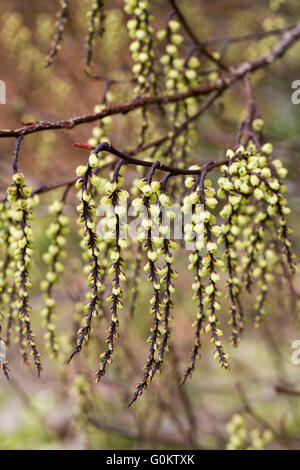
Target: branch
(107, 147)
(287, 391)
(237, 73)
(111, 110)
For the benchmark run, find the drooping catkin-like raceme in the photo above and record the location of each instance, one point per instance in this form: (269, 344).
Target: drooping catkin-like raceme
(22, 203)
(7, 286)
(199, 201)
(173, 67)
(96, 27)
(181, 74)
(62, 18)
(144, 206)
(255, 244)
(169, 274)
(229, 232)
(254, 203)
(90, 241)
(194, 226)
(204, 195)
(276, 202)
(115, 196)
(142, 34)
(161, 217)
(145, 71)
(55, 253)
(7, 263)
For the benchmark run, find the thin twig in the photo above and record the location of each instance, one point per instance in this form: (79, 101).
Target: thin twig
(236, 73)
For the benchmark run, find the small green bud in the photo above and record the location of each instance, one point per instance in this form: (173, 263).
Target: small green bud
(267, 148)
(174, 26)
(81, 170)
(161, 35)
(230, 154)
(93, 160)
(19, 178)
(258, 124)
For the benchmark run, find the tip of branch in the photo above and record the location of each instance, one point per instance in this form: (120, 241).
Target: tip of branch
(131, 402)
(75, 351)
(83, 145)
(5, 370)
(104, 146)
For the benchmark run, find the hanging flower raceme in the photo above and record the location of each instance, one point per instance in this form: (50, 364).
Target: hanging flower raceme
(236, 201)
(96, 27)
(254, 203)
(19, 195)
(7, 264)
(90, 241)
(6, 291)
(145, 206)
(176, 81)
(55, 253)
(62, 17)
(115, 196)
(167, 273)
(143, 54)
(142, 34)
(200, 200)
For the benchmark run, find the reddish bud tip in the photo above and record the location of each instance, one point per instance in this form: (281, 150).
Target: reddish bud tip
(83, 145)
(29, 123)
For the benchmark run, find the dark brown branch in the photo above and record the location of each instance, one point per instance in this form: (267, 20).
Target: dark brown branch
(237, 73)
(111, 110)
(287, 391)
(107, 147)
